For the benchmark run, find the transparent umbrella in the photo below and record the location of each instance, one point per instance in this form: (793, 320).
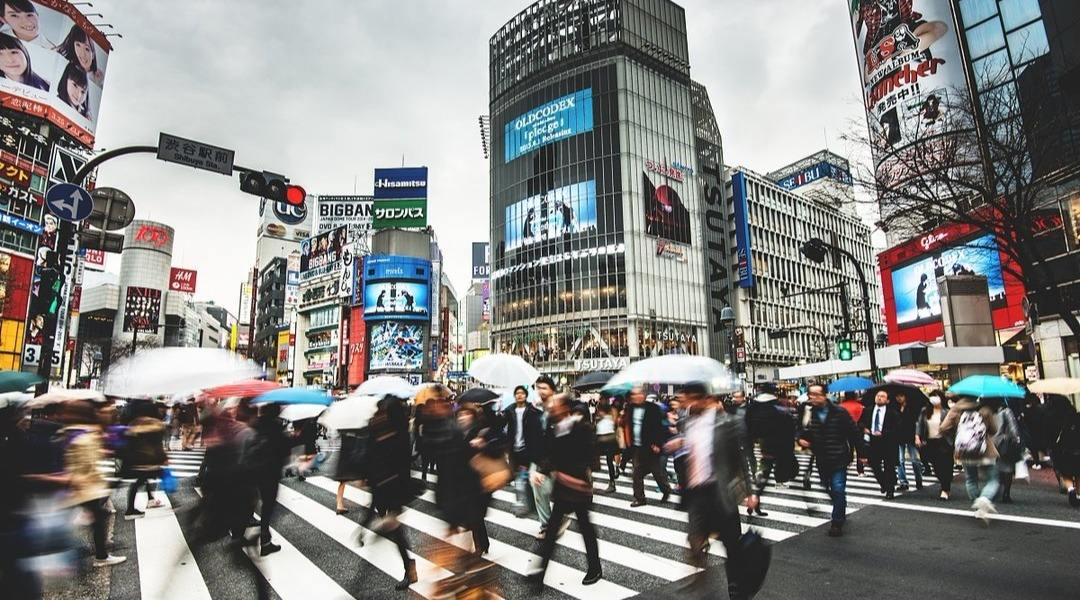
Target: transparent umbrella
(386, 386)
(503, 370)
(354, 412)
(677, 369)
(168, 371)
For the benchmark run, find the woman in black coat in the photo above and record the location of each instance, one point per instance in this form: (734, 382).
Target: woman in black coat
(388, 475)
(772, 427)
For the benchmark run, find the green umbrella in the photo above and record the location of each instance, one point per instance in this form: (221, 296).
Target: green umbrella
(17, 381)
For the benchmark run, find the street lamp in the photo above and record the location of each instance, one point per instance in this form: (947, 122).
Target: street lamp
(815, 249)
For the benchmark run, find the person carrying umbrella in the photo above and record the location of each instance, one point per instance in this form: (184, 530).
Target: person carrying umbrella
(388, 476)
(645, 435)
(266, 457)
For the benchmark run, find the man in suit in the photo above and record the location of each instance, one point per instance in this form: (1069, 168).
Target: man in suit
(882, 426)
(525, 433)
(645, 435)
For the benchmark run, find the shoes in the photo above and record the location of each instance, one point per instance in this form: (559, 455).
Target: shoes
(835, 530)
(903, 487)
(1074, 499)
(983, 509)
(155, 503)
(535, 581)
(269, 548)
(133, 514)
(410, 576)
(610, 489)
(889, 495)
(592, 577)
(109, 561)
(944, 497)
(760, 512)
(637, 503)
(665, 497)
(341, 511)
(918, 485)
(542, 534)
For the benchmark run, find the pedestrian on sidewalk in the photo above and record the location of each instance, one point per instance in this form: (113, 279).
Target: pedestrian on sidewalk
(525, 434)
(645, 434)
(607, 443)
(570, 443)
(1065, 452)
(974, 449)
(881, 425)
(143, 455)
(909, 442)
(718, 481)
(541, 486)
(938, 445)
(833, 437)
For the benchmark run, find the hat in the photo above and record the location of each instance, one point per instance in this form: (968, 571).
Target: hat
(651, 397)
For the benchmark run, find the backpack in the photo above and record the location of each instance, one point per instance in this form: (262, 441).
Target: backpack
(971, 435)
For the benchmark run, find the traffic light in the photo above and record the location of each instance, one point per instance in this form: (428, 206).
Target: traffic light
(843, 349)
(273, 187)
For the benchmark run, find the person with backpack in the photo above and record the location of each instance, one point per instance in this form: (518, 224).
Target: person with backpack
(1007, 441)
(974, 449)
(143, 455)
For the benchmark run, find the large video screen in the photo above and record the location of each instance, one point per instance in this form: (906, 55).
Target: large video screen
(550, 122)
(566, 210)
(665, 214)
(915, 290)
(396, 345)
(52, 64)
(397, 300)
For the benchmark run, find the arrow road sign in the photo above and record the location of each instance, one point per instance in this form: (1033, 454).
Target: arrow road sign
(69, 202)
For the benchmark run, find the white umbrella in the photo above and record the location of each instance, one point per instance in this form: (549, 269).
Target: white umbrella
(1056, 385)
(14, 398)
(386, 386)
(354, 412)
(677, 369)
(503, 370)
(298, 412)
(167, 371)
(911, 377)
(64, 395)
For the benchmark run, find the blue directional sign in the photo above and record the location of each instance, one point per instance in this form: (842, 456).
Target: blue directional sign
(69, 202)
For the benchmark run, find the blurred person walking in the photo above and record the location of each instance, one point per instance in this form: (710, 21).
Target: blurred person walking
(1065, 451)
(855, 408)
(266, 456)
(974, 449)
(189, 421)
(607, 443)
(143, 455)
(645, 434)
(389, 477)
(772, 427)
(542, 486)
(1007, 442)
(833, 437)
(938, 445)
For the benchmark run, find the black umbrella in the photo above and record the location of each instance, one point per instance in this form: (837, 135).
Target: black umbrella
(477, 396)
(592, 381)
(914, 395)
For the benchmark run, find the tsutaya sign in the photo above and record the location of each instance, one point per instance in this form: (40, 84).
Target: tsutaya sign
(608, 363)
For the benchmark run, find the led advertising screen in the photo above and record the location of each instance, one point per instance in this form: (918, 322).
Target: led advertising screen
(396, 300)
(396, 345)
(915, 289)
(556, 120)
(665, 214)
(54, 64)
(912, 73)
(566, 210)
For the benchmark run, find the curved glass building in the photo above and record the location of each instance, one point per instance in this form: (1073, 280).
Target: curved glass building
(598, 237)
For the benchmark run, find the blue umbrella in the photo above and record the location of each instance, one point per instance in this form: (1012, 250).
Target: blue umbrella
(987, 386)
(294, 396)
(850, 384)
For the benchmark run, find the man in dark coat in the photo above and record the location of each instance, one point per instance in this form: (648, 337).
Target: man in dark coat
(524, 432)
(645, 437)
(882, 424)
(267, 455)
(832, 436)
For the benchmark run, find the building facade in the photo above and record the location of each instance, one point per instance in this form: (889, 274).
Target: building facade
(789, 309)
(597, 217)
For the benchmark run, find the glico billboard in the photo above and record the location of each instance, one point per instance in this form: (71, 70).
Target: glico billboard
(54, 65)
(909, 274)
(911, 71)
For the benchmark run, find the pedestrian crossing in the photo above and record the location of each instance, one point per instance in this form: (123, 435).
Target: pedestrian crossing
(641, 548)
(182, 463)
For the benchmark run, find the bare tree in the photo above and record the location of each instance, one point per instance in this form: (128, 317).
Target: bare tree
(987, 165)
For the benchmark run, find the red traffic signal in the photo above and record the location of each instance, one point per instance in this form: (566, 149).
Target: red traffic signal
(295, 195)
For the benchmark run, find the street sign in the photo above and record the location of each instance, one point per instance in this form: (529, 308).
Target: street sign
(69, 202)
(113, 209)
(195, 154)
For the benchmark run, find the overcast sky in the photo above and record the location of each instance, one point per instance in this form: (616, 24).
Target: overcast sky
(325, 90)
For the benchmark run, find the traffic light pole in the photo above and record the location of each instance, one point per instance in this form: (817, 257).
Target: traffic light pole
(815, 249)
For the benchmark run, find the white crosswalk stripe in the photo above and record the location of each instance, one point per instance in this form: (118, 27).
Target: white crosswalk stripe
(641, 547)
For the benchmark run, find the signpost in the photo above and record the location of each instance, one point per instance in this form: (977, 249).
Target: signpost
(195, 154)
(69, 202)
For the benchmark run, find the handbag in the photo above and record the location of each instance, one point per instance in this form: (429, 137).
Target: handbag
(753, 562)
(494, 472)
(168, 480)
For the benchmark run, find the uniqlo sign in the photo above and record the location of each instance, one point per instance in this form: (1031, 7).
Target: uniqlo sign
(182, 280)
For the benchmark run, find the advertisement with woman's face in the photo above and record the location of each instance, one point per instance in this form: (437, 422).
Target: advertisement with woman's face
(52, 64)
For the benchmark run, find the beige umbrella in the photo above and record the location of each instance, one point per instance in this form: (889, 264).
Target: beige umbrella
(1056, 385)
(65, 395)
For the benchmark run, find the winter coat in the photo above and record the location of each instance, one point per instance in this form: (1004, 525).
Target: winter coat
(653, 432)
(571, 448)
(952, 422)
(833, 441)
(389, 456)
(457, 491)
(144, 450)
(534, 430)
(81, 464)
(269, 449)
(773, 425)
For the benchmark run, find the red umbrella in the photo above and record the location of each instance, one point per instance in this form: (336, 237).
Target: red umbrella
(242, 389)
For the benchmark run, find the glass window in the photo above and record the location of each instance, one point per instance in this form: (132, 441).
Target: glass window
(999, 103)
(992, 70)
(1015, 13)
(1028, 43)
(985, 38)
(976, 11)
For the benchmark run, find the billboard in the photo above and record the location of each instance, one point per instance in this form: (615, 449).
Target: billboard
(49, 291)
(745, 262)
(357, 347)
(323, 254)
(244, 312)
(402, 182)
(353, 212)
(396, 345)
(911, 70)
(822, 170)
(182, 280)
(281, 220)
(397, 287)
(142, 309)
(94, 259)
(410, 212)
(562, 211)
(665, 214)
(909, 275)
(292, 284)
(481, 260)
(550, 122)
(54, 66)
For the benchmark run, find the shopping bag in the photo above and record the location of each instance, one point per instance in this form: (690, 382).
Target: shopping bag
(1021, 470)
(168, 480)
